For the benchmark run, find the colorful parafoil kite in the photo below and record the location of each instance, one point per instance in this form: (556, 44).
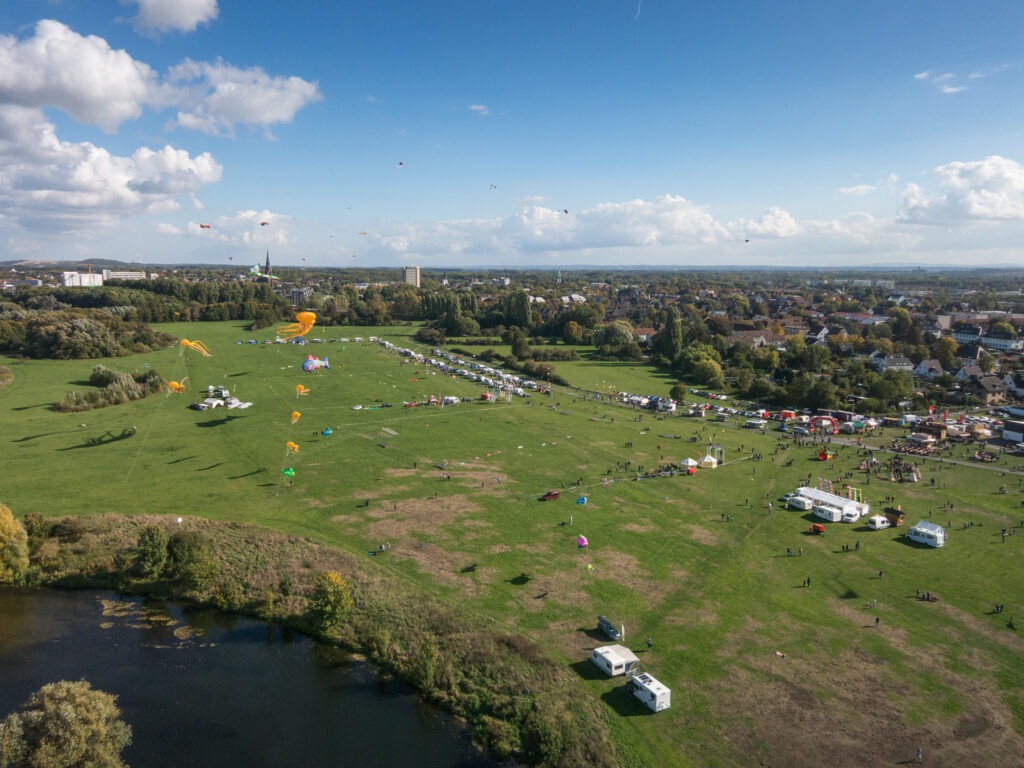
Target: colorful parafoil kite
(581, 500)
(296, 416)
(196, 346)
(292, 447)
(327, 432)
(288, 472)
(304, 322)
(301, 390)
(581, 542)
(177, 387)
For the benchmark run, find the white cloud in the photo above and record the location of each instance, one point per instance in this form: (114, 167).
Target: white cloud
(923, 75)
(858, 190)
(480, 109)
(952, 88)
(217, 96)
(774, 223)
(51, 185)
(174, 15)
(666, 221)
(82, 76)
(981, 190)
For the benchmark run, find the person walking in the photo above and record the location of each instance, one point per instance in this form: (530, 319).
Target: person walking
(877, 621)
(920, 755)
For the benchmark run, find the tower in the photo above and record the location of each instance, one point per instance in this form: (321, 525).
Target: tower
(411, 276)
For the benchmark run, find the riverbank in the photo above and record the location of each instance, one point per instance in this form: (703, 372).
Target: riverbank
(520, 704)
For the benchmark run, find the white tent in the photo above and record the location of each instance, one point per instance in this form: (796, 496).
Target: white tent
(709, 462)
(688, 462)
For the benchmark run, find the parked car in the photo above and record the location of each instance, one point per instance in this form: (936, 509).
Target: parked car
(608, 629)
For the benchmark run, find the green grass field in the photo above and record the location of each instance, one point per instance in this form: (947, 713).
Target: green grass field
(696, 564)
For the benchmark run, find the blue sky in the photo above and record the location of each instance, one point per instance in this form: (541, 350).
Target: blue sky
(498, 134)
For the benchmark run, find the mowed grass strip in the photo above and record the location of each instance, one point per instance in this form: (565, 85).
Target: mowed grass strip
(695, 564)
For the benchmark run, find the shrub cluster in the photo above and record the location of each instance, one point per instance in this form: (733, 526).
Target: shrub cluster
(115, 388)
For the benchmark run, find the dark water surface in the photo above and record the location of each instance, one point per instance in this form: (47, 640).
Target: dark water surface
(204, 689)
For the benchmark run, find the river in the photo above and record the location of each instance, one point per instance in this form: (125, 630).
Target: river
(208, 689)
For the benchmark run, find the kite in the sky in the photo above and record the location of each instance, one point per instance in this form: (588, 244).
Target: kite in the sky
(296, 416)
(303, 325)
(288, 472)
(581, 541)
(264, 223)
(196, 346)
(301, 390)
(206, 226)
(292, 447)
(177, 387)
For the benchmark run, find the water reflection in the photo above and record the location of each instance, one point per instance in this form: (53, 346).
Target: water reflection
(202, 688)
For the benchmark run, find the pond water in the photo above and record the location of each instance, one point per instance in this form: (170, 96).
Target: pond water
(203, 688)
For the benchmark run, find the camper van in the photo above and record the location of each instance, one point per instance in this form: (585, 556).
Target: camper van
(878, 522)
(828, 514)
(851, 516)
(615, 660)
(650, 691)
(927, 533)
(799, 503)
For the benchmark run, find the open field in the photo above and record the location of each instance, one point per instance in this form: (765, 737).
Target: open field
(697, 564)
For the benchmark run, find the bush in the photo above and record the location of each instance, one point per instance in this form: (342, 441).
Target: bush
(65, 724)
(151, 551)
(191, 560)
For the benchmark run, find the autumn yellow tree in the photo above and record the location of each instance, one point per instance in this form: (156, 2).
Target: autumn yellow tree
(330, 603)
(13, 547)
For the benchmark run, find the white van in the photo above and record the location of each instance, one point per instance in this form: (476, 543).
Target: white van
(828, 514)
(878, 522)
(851, 516)
(799, 503)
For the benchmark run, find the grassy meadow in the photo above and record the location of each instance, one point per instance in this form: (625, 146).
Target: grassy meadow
(697, 564)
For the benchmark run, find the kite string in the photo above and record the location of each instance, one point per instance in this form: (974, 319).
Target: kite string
(638, 4)
(180, 363)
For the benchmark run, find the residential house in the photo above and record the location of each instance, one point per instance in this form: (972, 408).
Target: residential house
(928, 369)
(989, 389)
(1014, 383)
(893, 363)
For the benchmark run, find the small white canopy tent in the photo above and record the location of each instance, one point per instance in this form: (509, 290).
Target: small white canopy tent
(709, 462)
(688, 462)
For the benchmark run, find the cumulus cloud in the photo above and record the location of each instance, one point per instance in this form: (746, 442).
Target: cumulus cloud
(774, 223)
(156, 16)
(480, 109)
(665, 221)
(981, 190)
(48, 184)
(242, 228)
(51, 185)
(82, 76)
(216, 96)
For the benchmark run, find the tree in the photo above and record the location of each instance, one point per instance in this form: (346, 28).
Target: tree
(13, 546)
(330, 603)
(151, 551)
(572, 333)
(62, 725)
(709, 373)
(191, 560)
(945, 352)
(668, 342)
